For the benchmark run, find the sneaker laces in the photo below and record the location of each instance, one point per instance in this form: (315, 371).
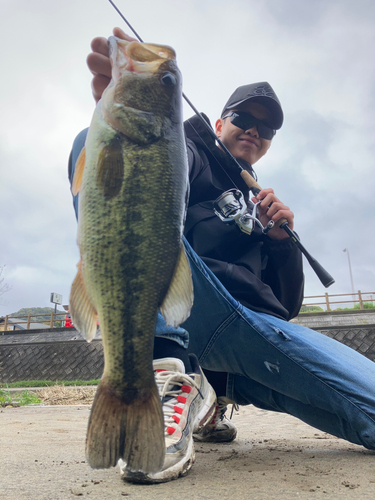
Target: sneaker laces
(220, 410)
(171, 386)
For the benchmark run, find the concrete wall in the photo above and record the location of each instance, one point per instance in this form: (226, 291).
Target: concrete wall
(358, 337)
(61, 354)
(51, 361)
(339, 318)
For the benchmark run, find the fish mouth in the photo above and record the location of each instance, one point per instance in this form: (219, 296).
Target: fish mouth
(136, 57)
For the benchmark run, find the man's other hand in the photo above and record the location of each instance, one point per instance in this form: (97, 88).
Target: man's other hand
(271, 208)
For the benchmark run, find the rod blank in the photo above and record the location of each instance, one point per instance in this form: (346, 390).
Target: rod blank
(325, 278)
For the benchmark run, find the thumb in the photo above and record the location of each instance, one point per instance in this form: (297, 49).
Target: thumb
(121, 34)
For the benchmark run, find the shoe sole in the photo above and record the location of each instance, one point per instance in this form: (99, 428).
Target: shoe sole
(215, 438)
(179, 469)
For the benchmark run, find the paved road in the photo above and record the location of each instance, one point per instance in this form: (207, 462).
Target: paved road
(274, 457)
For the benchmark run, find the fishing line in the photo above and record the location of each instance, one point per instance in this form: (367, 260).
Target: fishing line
(217, 159)
(201, 118)
(125, 20)
(325, 278)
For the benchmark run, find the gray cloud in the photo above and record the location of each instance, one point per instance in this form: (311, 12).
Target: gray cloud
(297, 15)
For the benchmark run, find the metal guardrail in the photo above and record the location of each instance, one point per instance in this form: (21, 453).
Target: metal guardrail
(14, 319)
(357, 297)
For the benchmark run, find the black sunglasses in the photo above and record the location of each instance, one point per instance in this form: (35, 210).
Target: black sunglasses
(245, 121)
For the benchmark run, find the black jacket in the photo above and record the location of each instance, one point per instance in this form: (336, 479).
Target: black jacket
(262, 274)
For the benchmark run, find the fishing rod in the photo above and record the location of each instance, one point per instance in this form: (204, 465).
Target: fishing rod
(244, 174)
(325, 278)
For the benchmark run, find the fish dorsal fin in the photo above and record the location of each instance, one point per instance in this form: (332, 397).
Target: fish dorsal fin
(110, 168)
(83, 313)
(78, 172)
(179, 299)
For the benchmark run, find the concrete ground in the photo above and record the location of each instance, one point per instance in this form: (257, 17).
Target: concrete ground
(275, 456)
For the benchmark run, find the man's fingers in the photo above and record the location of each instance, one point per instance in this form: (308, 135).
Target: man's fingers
(99, 84)
(100, 45)
(280, 211)
(99, 64)
(268, 201)
(284, 213)
(275, 207)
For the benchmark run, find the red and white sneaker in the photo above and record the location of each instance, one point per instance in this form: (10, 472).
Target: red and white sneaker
(188, 404)
(219, 429)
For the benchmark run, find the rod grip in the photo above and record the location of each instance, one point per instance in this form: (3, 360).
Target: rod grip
(325, 278)
(251, 183)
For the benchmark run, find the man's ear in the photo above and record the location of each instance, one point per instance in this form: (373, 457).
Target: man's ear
(219, 127)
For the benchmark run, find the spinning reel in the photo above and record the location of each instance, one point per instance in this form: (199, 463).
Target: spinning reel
(231, 208)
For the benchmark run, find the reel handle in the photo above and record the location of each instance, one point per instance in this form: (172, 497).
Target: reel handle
(255, 188)
(325, 278)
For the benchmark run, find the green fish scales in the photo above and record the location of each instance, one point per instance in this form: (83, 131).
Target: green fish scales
(133, 185)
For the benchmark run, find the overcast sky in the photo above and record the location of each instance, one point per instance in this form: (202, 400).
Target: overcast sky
(317, 55)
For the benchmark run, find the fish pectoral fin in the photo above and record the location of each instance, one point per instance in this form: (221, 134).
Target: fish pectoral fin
(179, 299)
(110, 168)
(83, 313)
(78, 172)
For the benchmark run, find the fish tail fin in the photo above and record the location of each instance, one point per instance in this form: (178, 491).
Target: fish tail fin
(128, 427)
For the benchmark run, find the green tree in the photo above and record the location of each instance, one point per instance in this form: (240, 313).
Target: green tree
(34, 312)
(311, 309)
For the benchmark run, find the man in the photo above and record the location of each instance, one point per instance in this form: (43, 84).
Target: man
(246, 288)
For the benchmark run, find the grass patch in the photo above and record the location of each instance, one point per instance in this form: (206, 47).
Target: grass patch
(5, 398)
(50, 395)
(317, 309)
(48, 383)
(23, 399)
(366, 305)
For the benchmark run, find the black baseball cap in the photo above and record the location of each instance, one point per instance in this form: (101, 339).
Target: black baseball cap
(262, 93)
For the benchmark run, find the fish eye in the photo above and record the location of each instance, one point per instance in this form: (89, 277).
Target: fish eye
(168, 79)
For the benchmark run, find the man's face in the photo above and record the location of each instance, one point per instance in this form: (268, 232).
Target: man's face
(245, 144)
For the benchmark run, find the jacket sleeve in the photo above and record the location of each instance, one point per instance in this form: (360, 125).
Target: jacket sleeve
(284, 273)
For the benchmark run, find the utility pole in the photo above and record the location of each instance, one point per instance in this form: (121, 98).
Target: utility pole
(350, 272)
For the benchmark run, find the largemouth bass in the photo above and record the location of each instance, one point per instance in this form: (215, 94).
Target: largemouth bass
(132, 179)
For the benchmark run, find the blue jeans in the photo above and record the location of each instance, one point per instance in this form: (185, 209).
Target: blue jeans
(273, 364)
(276, 365)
